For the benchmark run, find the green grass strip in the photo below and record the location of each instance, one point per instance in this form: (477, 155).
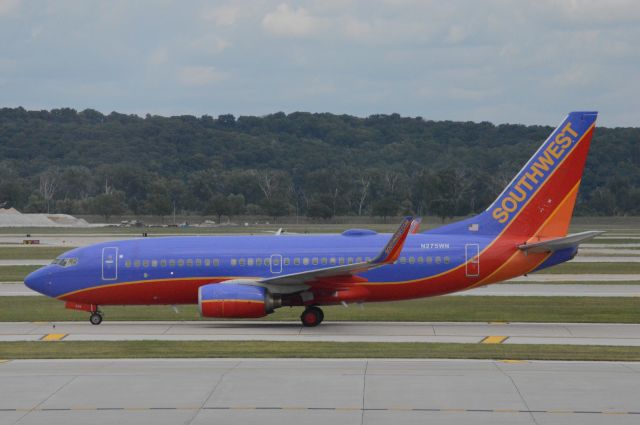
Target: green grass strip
(269, 349)
(437, 309)
(592, 268)
(15, 273)
(32, 252)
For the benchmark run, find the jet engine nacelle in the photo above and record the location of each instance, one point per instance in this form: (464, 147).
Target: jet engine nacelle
(234, 300)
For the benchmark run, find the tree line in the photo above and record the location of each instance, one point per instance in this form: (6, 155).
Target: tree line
(318, 165)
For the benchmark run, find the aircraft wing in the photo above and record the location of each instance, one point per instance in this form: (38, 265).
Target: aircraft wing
(553, 245)
(343, 273)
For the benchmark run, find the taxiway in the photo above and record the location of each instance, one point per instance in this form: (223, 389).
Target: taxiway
(448, 332)
(246, 391)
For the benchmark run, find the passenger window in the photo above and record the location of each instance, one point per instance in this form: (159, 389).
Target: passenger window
(234, 262)
(172, 263)
(207, 262)
(180, 262)
(198, 262)
(145, 263)
(249, 261)
(258, 261)
(420, 260)
(136, 263)
(438, 260)
(429, 260)
(359, 260)
(324, 261)
(241, 262)
(163, 263)
(305, 261)
(412, 260)
(286, 261)
(350, 260)
(154, 263)
(403, 260)
(447, 260)
(314, 261)
(216, 262)
(296, 261)
(332, 260)
(267, 262)
(127, 263)
(189, 262)
(341, 260)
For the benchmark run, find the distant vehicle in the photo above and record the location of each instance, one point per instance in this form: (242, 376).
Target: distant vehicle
(522, 231)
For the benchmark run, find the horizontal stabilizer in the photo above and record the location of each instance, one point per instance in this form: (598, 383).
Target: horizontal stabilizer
(553, 245)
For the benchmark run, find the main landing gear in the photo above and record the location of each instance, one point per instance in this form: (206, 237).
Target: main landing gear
(311, 316)
(96, 318)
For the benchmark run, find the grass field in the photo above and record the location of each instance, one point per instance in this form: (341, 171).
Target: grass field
(15, 273)
(266, 349)
(592, 268)
(532, 280)
(438, 309)
(31, 252)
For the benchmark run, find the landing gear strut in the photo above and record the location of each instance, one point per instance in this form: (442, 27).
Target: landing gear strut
(95, 318)
(312, 316)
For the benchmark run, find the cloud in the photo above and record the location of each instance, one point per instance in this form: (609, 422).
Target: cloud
(286, 21)
(159, 56)
(209, 45)
(7, 7)
(442, 60)
(200, 76)
(224, 16)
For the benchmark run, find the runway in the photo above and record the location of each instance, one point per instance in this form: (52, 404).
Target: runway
(349, 392)
(446, 332)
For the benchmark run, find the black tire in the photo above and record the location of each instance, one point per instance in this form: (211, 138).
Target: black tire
(311, 317)
(95, 318)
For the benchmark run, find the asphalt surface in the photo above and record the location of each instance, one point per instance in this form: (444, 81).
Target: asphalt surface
(454, 332)
(337, 392)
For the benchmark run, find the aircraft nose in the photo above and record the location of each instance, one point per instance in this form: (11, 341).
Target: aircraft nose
(37, 280)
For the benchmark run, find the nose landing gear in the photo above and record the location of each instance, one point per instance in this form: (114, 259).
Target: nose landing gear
(311, 316)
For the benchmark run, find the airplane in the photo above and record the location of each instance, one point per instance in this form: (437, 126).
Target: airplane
(524, 230)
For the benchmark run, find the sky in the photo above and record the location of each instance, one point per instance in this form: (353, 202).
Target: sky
(501, 61)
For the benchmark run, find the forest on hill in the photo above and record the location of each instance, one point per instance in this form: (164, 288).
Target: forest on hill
(318, 165)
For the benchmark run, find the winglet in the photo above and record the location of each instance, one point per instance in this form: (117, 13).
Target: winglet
(391, 251)
(415, 225)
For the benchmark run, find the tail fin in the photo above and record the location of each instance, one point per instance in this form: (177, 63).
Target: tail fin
(539, 201)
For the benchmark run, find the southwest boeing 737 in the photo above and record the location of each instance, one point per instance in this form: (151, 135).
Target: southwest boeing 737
(524, 230)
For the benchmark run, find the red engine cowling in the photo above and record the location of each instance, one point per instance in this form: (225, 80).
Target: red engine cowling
(231, 300)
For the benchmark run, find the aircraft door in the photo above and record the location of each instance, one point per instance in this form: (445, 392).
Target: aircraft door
(109, 263)
(276, 263)
(472, 257)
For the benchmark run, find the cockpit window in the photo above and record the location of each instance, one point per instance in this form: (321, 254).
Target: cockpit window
(65, 262)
